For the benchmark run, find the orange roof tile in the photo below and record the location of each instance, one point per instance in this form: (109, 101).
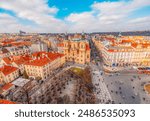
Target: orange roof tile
(134, 45)
(8, 42)
(7, 69)
(17, 59)
(7, 86)
(42, 58)
(38, 62)
(7, 60)
(22, 43)
(22, 59)
(2, 101)
(111, 50)
(126, 41)
(60, 45)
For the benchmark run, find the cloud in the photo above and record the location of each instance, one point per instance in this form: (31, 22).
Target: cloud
(139, 23)
(107, 16)
(10, 24)
(36, 11)
(104, 16)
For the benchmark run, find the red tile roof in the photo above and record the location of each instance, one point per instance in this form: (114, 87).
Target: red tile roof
(7, 69)
(111, 50)
(6, 102)
(60, 45)
(43, 58)
(38, 62)
(7, 86)
(7, 60)
(22, 43)
(17, 59)
(134, 45)
(16, 43)
(8, 42)
(126, 41)
(22, 59)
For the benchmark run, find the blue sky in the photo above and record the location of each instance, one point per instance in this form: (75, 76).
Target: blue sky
(73, 6)
(74, 15)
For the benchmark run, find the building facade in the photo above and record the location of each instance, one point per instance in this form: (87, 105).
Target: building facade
(43, 64)
(124, 51)
(77, 51)
(8, 74)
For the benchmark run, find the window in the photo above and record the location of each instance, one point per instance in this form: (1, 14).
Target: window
(87, 56)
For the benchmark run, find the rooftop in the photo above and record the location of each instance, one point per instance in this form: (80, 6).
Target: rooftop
(2, 101)
(20, 82)
(7, 86)
(16, 59)
(43, 58)
(124, 43)
(7, 69)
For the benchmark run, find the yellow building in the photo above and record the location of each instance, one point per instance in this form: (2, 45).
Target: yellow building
(8, 74)
(43, 63)
(16, 61)
(77, 51)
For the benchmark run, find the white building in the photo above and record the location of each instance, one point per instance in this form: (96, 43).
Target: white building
(124, 51)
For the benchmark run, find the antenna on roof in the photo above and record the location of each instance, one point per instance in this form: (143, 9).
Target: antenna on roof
(83, 32)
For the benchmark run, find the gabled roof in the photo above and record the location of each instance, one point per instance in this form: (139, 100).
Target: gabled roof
(42, 58)
(38, 62)
(7, 60)
(17, 59)
(7, 69)
(7, 86)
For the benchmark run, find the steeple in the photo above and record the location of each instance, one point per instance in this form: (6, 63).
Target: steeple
(66, 36)
(83, 35)
(119, 35)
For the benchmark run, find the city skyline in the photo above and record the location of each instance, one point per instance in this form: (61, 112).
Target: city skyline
(52, 16)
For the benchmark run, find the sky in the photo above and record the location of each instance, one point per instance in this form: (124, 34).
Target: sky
(53, 16)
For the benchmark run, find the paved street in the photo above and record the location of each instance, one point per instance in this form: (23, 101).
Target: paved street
(125, 87)
(123, 90)
(101, 91)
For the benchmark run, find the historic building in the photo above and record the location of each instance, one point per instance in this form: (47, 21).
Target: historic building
(43, 63)
(16, 61)
(124, 51)
(77, 51)
(8, 74)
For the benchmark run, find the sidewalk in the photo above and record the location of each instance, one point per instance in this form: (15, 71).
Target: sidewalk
(101, 91)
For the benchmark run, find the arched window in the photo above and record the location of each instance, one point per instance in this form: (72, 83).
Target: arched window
(87, 56)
